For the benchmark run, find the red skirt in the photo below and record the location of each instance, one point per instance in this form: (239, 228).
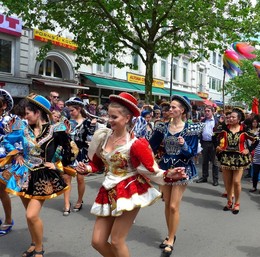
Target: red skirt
(131, 193)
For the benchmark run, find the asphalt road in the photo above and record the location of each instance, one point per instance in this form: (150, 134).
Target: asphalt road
(205, 230)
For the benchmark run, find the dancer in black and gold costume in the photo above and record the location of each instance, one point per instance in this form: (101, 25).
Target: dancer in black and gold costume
(234, 155)
(34, 175)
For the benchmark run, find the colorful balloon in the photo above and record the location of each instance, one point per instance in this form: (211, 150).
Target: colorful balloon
(257, 67)
(231, 63)
(244, 50)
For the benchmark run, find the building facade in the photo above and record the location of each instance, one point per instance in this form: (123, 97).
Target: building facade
(21, 72)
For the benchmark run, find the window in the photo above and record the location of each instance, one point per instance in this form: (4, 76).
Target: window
(200, 78)
(219, 85)
(135, 62)
(163, 68)
(219, 60)
(214, 84)
(175, 69)
(135, 58)
(5, 56)
(214, 58)
(106, 68)
(50, 68)
(185, 72)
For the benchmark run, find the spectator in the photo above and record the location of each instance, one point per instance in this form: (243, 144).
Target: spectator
(208, 146)
(60, 105)
(54, 98)
(195, 114)
(56, 115)
(92, 107)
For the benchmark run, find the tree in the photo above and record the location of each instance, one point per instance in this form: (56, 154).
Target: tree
(149, 28)
(245, 86)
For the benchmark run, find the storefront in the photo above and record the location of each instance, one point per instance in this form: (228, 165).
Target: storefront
(11, 59)
(100, 88)
(56, 72)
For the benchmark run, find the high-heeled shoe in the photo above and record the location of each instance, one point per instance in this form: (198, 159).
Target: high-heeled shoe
(228, 207)
(38, 253)
(236, 208)
(76, 209)
(163, 244)
(167, 251)
(28, 253)
(66, 212)
(6, 228)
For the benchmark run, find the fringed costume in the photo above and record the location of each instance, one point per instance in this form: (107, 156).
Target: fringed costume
(231, 146)
(33, 179)
(173, 154)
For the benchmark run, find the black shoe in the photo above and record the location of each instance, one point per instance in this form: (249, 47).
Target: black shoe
(76, 209)
(167, 252)
(252, 190)
(202, 180)
(27, 253)
(215, 183)
(38, 253)
(163, 245)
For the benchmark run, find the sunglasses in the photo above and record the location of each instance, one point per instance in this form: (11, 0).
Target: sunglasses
(55, 96)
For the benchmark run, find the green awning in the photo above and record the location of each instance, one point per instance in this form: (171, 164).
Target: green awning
(191, 96)
(155, 90)
(124, 85)
(132, 87)
(113, 84)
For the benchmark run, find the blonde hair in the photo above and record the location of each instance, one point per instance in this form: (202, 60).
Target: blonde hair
(124, 111)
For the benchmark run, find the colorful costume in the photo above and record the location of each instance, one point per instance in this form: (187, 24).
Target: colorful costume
(80, 134)
(231, 146)
(175, 155)
(124, 188)
(33, 179)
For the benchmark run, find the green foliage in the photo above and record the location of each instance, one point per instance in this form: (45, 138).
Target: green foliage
(109, 28)
(245, 86)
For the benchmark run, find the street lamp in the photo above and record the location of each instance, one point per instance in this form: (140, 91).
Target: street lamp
(171, 76)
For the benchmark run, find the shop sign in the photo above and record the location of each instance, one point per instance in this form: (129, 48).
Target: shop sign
(10, 25)
(138, 79)
(203, 95)
(44, 36)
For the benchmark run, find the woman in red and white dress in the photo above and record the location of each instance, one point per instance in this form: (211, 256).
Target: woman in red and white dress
(125, 190)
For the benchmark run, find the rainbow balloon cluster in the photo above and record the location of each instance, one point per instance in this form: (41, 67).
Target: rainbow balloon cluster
(257, 68)
(231, 63)
(232, 57)
(244, 50)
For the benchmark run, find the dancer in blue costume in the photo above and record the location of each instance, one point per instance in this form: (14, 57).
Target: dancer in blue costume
(34, 176)
(6, 104)
(180, 143)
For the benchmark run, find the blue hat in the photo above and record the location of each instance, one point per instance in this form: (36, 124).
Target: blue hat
(40, 102)
(184, 100)
(145, 112)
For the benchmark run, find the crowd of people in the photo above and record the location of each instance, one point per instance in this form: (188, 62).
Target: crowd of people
(45, 142)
